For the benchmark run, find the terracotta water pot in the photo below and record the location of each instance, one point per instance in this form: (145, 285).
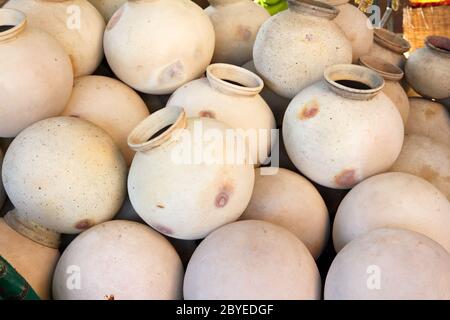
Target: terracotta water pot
(63, 175)
(394, 199)
(2, 190)
(428, 68)
(42, 87)
(252, 260)
(30, 259)
(236, 23)
(231, 94)
(293, 48)
(389, 47)
(109, 104)
(344, 129)
(119, 260)
(392, 88)
(157, 46)
(356, 26)
(181, 181)
(390, 264)
(76, 24)
(290, 201)
(107, 8)
(426, 158)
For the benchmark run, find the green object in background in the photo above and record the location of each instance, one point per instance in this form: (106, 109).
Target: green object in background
(12, 285)
(273, 6)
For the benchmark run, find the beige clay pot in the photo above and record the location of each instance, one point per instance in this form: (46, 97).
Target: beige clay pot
(42, 87)
(339, 132)
(389, 47)
(156, 46)
(109, 104)
(107, 8)
(2, 190)
(76, 24)
(293, 48)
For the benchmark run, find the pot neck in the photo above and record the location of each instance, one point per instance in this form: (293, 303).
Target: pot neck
(215, 3)
(438, 44)
(32, 230)
(313, 8)
(143, 139)
(387, 70)
(12, 23)
(391, 41)
(353, 82)
(233, 80)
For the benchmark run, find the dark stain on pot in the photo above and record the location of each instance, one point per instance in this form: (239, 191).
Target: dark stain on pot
(163, 229)
(160, 206)
(207, 114)
(309, 110)
(74, 116)
(6, 28)
(84, 224)
(346, 178)
(171, 73)
(224, 195)
(353, 84)
(428, 173)
(109, 297)
(115, 18)
(243, 33)
(430, 113)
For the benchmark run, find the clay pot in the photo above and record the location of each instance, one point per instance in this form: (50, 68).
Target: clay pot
(209, 191)
(107, 7)
(30, 259)
(356, 26)
(236, 23)
(389, 47)
(231, 94)
(2, 190)
(277, 104)
(426, 158)
(392, 88)
(76, 24)
(119, 260)
(430, 119)
(428, 68)
(293, 48)
(330, 131)
(390, 264)
(63, 175)
(252, 260)
(156, 46)
(397, 200)
(290, 201)
(109, 104)
(42, 87)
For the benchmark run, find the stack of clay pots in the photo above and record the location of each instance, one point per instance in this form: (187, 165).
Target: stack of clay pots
(177, 149)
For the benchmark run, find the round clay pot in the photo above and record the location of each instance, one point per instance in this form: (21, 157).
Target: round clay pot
(428, 118)
(397, 200)
(42, 87)
(392, 88)
(426, 158)
(389, 47)
(231, 94)
(342, 130)
(63, 175)
(109, 104)
(156, 46)
(252, 260)
(427, 70)
(2, 190)
(356, 26)
(107, 8)
(293, 48)
(290, 201)
(76, 24)
(236, 23)
(390, 264)
(277, 104)
(30, 259)
(119, 260)
(180, 191)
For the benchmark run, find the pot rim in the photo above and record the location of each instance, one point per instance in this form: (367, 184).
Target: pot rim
(387, 70)
(314, 7)
(354, 73)
(438, 43)
(12, 17)
(391, 41)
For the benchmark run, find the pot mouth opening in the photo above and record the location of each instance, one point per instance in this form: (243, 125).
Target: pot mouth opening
(353, 82)
(439, 43)
(385, 69)
(157, 129)
(391, 40)
(11, 22)
(233, 79)
(313, 7)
